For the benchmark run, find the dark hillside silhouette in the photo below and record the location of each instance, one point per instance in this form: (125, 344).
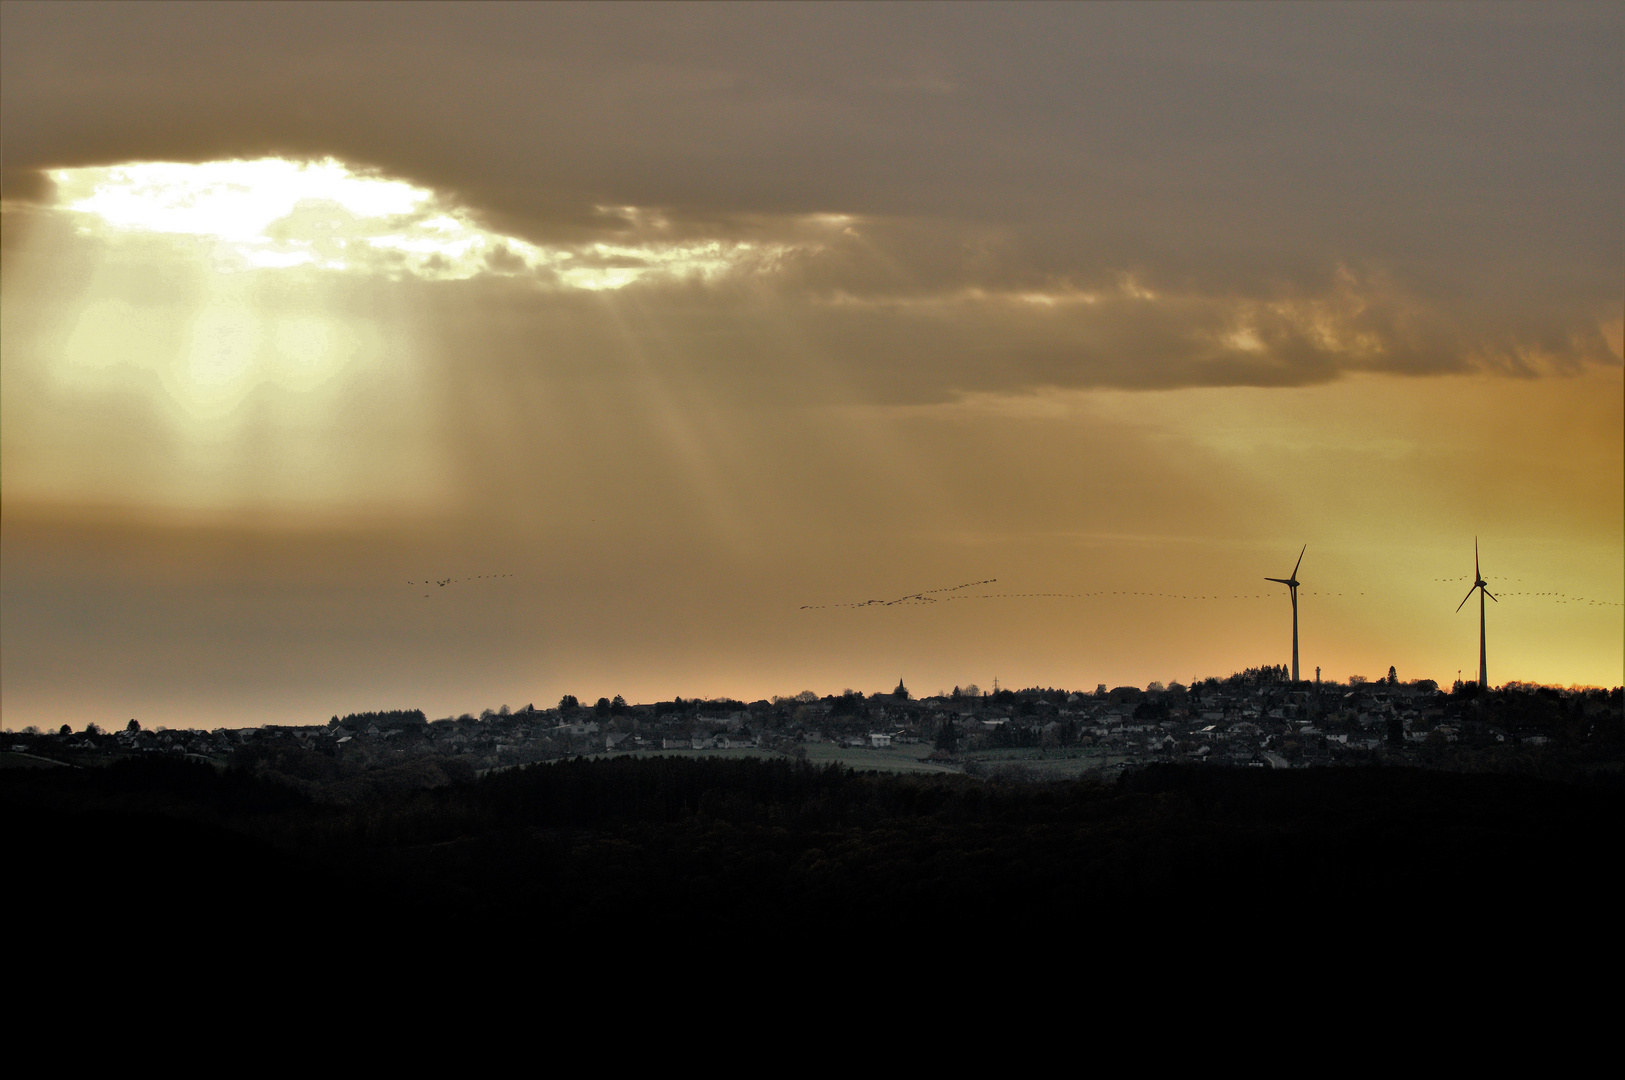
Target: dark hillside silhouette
(666, 843)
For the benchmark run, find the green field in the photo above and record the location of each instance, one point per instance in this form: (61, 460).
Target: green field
(892, 759)
(905, 758)
(1051, 764)
(709, 752)
(11, 760)
(1038, 764)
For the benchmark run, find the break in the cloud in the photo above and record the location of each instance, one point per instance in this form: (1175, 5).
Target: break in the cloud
(276, 214)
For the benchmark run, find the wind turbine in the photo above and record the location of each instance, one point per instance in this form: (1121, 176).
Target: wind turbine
(1292, 583)
(1479, 583)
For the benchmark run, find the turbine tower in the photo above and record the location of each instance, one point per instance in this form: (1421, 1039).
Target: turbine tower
(1292, 583)
(1479, 583)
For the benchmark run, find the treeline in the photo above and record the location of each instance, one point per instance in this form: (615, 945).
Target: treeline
(695, 706)
(384, 719)
(1252, 678)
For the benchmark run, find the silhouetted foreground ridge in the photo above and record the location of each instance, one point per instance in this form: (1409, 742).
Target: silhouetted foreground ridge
(657, 843)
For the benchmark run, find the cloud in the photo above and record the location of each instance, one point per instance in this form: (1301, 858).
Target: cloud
(917, 204)
(811, 307)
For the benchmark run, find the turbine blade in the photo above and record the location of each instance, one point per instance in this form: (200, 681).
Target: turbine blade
(1465, 599)
(1299, 562)
(1490, 595)
(1282, 580)
(1476, 572)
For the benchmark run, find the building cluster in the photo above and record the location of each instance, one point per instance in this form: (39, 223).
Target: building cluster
(1257, 721)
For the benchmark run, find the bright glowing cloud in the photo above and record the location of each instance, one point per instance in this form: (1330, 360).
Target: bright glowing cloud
(275, 214)
(232, 200)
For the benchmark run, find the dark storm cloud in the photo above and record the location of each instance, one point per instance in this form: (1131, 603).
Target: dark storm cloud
(1303, 190)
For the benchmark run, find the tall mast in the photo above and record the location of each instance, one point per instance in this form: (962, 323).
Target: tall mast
(1292, 584)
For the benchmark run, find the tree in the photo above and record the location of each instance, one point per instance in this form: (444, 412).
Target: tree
(568, 703)
(601, 707)
(1393, 676)
(947, 736)
(133, 726)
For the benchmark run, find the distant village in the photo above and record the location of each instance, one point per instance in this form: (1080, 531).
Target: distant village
(1257, 718)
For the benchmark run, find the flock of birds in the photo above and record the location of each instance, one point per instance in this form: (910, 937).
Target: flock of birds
(443, 582)
(953, 593)
(928, 596)
(1555, 597)
(956, 592)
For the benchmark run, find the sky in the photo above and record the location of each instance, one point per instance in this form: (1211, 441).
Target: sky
(381, 356)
